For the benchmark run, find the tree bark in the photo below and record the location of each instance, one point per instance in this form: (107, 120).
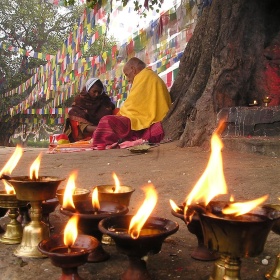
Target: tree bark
(7, 128)
(223, 66)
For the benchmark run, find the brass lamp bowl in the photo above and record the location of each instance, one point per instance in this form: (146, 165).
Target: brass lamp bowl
(235, 237)
(238, 237)
(201, 252)
(107, 193)
(276, 225)
(35, 190)
(10, 201)
(78, 195)
(13, 234)
(274, 274)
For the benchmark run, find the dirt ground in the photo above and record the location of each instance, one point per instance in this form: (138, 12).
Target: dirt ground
(173, 171)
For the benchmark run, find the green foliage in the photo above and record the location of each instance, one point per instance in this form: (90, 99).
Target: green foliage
(33, 25)
(140, 6)
(31, 143)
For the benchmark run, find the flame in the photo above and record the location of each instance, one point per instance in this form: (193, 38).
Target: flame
(212, 182)
(143, 213)
(34, 168)
(174, 206)
(8, 187)
(71, 231)
(117, 183)
(231, 199)
(94, 200)
(69, 191)
(240, 208)
(12, 162)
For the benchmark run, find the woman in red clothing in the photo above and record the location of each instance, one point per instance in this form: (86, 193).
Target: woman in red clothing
(87, 109)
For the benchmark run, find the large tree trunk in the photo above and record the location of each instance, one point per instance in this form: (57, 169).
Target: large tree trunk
(224, 65)
(8, 126)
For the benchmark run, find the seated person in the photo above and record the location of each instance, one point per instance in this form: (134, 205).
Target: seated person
(87, 109)
(142, 112)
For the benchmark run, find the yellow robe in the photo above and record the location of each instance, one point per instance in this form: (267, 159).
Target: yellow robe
(148, 100)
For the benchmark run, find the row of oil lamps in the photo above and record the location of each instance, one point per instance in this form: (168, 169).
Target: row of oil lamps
(226, 230)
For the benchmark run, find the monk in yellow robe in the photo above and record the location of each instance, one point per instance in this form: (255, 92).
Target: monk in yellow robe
(141, 114)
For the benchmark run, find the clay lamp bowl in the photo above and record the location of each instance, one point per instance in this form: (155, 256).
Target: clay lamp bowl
(49, 206)
(235, 236)
(150, 240)
(13, 234)
(201, 252)
(114, 193)
(89, 217)
(35, 190)
(69, 250)
(274, 274)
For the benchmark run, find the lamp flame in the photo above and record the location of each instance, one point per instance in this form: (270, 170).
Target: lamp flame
(143, 213)
(9, 188)
(212, 182)
(34, 168)
(240, 208)
(116, 189)
(94, 200)
(69, 191)
(174, 206)
(12, 162)
(71, 232)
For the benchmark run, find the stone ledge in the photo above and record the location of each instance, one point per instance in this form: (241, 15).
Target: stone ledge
(251, 121)
(269, 146)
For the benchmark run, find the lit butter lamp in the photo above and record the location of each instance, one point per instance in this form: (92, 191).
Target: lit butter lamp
(139, 235)
(234, 229)
(115, 193)
(274, 274)
(35, 189)
(201, 251)
(8, 200)
(77, 194)
(91, 212)
(68, 251)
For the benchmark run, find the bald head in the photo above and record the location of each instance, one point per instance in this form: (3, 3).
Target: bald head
(133, 67)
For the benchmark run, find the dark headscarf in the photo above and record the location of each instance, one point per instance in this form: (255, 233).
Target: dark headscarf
(90, 110)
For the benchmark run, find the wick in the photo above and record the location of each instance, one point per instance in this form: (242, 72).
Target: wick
(5, 177)
(69, 249)
(34, 176)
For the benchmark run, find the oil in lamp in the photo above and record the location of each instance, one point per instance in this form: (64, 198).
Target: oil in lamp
(139, 235)
(115, 193)
(68, 251)
(235, 230)
(90, 213)
(35, 189)
(274, 274)
(8, 200)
